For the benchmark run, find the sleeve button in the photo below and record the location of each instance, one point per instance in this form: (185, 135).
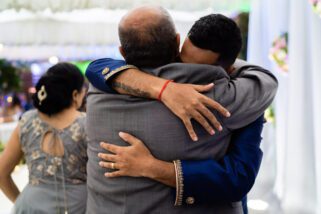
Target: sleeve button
(105, 71)
(190, 200)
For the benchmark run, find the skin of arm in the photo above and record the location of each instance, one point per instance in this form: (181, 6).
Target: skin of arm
(8, 160)
(229, 179)
(137, 87)
(186, 101)
(246, 95)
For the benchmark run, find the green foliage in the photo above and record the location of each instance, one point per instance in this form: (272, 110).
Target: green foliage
(1, 147)
(82, 65)
(269, 115)
(9, 77)
(242, 20)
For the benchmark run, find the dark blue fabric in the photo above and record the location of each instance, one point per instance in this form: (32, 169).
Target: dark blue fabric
(95, 69)
(231, 178)
(244, 205)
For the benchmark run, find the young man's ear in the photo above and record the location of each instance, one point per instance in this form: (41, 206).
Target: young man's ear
(75, 95)
(122, 52)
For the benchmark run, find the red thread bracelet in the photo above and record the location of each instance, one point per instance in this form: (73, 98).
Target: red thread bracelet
(163, 89)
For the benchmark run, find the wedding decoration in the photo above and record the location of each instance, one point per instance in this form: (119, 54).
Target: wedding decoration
(60, 5)
(279, 52)
(316, 5)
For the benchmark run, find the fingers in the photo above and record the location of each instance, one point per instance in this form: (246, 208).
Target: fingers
(129, 138)
(115, 174)
(189, 127)
(109, 165)
(108, 157)
(111, 148)
(203, 88)
(201, 120)
(210, 117)
(218, 107)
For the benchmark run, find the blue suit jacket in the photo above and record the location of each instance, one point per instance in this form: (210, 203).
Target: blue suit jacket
(229, 179)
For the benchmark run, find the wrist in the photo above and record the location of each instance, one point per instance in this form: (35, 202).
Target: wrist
(157, 87)
(161, 171)
(170, 88)
(148, 170)
(163, 89)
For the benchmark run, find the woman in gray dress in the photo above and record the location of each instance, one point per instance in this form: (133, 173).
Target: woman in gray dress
(53, 141)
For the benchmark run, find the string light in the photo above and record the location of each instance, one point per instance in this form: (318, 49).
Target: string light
(53, 60)
(9, 99)
(32, 90)
(257, 205)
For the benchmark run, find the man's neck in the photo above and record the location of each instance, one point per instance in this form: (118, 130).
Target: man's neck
(230, 70)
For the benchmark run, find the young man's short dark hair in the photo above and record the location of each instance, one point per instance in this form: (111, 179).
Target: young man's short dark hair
(219, 34)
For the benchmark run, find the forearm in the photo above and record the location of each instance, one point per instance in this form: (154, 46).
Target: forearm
(137, 83)
(9, 188)
(161, 171)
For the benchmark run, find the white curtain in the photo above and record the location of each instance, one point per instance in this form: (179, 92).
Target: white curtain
(78, 34)
(298, 103)
(68, 5)
(302, 181)
(85, 27)
(269, 19)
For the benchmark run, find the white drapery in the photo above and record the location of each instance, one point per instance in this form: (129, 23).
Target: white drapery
(26, 35)
(298, 103)
(84, 34)
(85, 27)
(68, 5)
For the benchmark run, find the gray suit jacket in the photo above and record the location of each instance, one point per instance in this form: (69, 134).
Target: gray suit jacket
(246, 96)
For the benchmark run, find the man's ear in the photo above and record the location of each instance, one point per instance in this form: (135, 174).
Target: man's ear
(178, 40)
(122, 52)
(74, 95)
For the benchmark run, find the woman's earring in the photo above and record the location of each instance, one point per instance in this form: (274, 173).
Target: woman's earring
(42, 94)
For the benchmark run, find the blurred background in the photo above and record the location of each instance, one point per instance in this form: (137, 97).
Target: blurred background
(283, 36)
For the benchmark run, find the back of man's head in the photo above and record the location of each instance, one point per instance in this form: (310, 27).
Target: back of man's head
(219, 34)
(148, 37)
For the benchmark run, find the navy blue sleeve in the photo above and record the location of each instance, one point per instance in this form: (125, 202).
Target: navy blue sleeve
(101, 71)
(231, 178)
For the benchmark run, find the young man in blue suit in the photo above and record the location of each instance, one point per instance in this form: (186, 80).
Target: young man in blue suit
(214, 39)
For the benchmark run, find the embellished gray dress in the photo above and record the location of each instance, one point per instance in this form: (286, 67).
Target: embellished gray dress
(56, 184)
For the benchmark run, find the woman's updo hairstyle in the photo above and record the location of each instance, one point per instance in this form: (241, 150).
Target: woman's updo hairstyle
(55, 88)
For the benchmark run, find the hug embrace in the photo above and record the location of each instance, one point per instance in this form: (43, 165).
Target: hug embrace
(166, 130)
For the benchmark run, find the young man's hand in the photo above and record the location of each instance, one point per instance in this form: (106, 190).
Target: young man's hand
(187, 102)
